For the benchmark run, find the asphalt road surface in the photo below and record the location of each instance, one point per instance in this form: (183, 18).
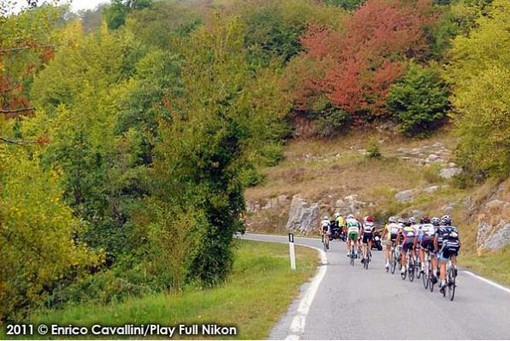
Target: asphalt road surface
(353, 303)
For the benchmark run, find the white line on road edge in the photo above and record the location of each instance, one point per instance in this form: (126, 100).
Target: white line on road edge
(487, 281)
(297, 327)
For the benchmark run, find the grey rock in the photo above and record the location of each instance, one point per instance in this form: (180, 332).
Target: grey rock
(405, 196)
(448, 173)
(433, 158)
(499, 238)
(431, 189)
(303, 218)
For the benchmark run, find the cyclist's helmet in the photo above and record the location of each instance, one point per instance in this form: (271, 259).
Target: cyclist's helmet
(401, 220)
(350, 216)
(392, 219)
(446, 220)
(337, 215)
(435, 221)
(425, 220)
(325, 217)
(412, 221)
(407, 222)
(369, 219)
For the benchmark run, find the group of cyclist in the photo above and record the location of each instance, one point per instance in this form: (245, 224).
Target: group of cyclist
(357, 231)
(436, 235)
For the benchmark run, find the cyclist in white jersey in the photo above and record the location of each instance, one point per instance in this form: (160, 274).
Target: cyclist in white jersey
(426, 239)
(368, 234)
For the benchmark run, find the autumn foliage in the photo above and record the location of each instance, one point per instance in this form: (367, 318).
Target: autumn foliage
(356, 68)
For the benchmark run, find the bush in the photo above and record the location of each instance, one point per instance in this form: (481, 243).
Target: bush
(419, 101)
(373, 149)
(330, 121)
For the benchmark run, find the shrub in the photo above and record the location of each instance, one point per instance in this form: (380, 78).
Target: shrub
(419, 100)
(373, 149)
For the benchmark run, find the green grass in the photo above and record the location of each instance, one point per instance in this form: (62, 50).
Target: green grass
(253, 299)
(494, 265)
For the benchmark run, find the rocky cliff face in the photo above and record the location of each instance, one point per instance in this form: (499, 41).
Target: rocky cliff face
(493, 218)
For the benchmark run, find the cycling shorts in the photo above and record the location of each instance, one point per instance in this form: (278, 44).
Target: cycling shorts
(367, 237)
(353, 236)
(407, 244)
(427, 244)
(449, 248)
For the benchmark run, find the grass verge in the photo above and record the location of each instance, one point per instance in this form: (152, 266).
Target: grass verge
(254, 297)
(494, 265)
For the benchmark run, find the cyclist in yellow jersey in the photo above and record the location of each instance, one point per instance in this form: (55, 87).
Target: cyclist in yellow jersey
(407, 237)
(390, 232)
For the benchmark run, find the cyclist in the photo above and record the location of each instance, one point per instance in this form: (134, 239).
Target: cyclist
(428, 230)
(408, 236)
(391, 229)
(368, 234)
(325, 230)
(353, 232)
(447, 242)
(340, 221)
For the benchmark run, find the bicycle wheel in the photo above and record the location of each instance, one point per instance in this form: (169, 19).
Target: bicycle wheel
(324, 243)
(418, 268)
(352, 255)
(431, 275)
(393, 264)
(403, 274)
(451, 284)
(411, 265)
(425, 278)
(327, 242)
(367, 260)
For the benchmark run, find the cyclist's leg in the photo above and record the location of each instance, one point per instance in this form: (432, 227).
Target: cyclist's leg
(442, 267)
(356, 237)
(403, 255)
(387, 252)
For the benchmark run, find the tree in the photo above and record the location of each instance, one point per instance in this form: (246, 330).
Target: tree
(419, 101)
(228, 113)
(357, 68)
(27, 43)
(36, 234)
(479, 71)
(116, 13)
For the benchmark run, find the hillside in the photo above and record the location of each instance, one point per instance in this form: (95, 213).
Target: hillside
(338, 175)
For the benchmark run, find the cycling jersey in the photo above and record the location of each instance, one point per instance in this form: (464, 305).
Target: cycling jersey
(368, 227)
(427, 230)
(325, 224)
(392, 229)
(446, 233)
(340, 221)
(448, 241)
(352, 225)
(408, 232)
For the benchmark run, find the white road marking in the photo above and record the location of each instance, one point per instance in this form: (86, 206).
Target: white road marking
(297, 327)
(488, 281)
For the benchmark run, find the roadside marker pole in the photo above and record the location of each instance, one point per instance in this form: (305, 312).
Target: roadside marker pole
(292, 251)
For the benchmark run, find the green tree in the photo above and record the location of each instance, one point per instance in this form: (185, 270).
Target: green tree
(479, 71)
(36, 234)
(419, 101)
(79, 114)
(117, 12)
(220, 125)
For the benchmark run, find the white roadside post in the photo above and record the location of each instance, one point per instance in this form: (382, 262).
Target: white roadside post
(292, 251)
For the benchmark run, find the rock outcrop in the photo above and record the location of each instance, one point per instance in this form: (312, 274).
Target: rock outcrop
(303, 217)
(494, 218)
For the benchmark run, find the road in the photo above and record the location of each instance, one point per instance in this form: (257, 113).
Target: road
(354, 303)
